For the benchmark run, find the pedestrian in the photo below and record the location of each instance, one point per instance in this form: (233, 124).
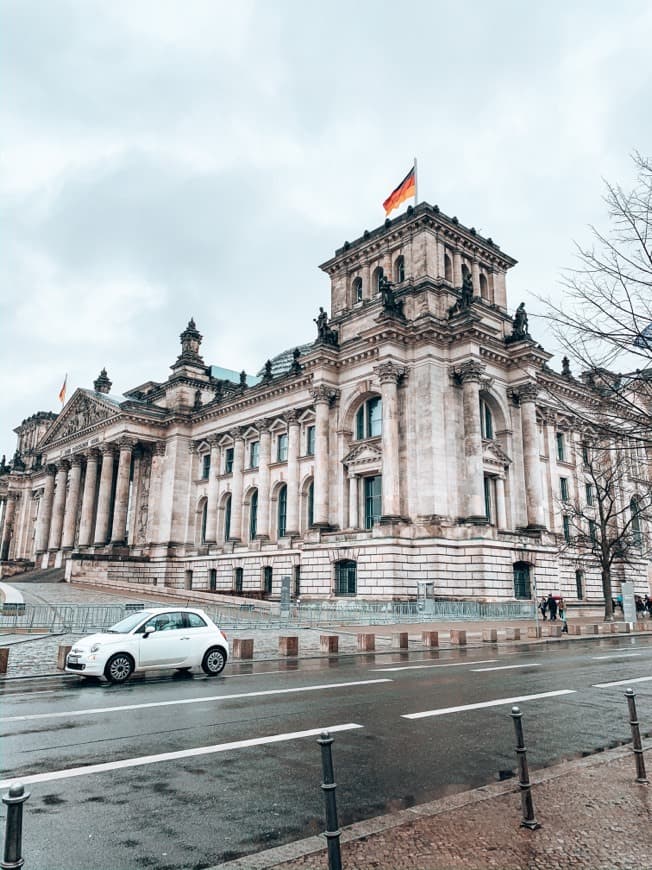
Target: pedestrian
(561, 609)
(543, 607)
(552, 608)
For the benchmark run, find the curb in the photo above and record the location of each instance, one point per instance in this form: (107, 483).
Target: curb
(360, 830)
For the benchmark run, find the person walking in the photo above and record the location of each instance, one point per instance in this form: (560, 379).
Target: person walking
(552, 608)
(561, 609)
(543, 607)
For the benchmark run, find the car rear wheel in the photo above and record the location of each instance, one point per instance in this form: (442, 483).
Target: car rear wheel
(214, 661)
(119, 668)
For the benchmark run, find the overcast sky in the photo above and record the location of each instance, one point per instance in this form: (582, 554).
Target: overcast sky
(162, 160)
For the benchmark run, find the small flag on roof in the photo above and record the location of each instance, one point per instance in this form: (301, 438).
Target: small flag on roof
(406, 189)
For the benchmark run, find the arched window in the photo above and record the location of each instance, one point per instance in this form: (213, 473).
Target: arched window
(375, 283)
(253, 515)
(369, 419)
(484, 287)
(448, 269)
(357, 289)
(522, 580)
(227, 518)
(579, 584)
(486, 420)
(635, 509)
(346, 582)
(204, 515)
(399, 269)
(311, 503)
(282, 510)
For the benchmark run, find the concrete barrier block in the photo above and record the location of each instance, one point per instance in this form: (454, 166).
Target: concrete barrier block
(512, 634)
(458, 637)
(400, 640)
(554, 630)
(575, 629)
(366, 642)
(590, 629)
(623, 627)
(534, 631)
(489, 635)
(288, 646)
(243, 648)
(4, 659)
(430, 638)
(640, 625)
(329, 643)
(62, 652)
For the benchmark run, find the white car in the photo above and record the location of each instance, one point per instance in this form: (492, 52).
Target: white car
(157, 637)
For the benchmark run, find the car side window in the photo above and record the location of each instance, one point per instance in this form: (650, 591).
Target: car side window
(195, 621)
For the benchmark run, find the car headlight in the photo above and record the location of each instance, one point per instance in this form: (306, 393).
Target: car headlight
(95, 647)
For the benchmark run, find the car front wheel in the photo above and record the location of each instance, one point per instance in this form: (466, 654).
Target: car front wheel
(214, 661)
(119, 668)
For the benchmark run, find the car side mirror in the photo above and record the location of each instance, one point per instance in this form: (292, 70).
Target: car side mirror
(147, 632)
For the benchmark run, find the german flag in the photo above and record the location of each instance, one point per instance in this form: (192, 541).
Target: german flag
(405, 190)
(62, 391)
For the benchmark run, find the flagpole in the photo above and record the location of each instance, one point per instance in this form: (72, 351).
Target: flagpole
(416, 184)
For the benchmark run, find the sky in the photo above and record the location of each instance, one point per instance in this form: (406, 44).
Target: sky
(168, 159)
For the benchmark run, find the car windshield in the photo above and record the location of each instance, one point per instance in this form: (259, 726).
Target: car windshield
(129, 622)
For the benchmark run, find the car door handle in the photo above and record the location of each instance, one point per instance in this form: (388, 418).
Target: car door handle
(184, 638)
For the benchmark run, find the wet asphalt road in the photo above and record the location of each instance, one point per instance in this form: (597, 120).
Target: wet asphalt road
(202, 808)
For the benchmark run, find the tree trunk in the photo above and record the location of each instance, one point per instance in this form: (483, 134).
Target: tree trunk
(606, 589)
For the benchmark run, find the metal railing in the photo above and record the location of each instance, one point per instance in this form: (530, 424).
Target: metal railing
(81, 619)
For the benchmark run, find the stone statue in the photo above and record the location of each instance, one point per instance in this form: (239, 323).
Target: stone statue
(295, 368)
(390, 305)
(3, 464)
(467, 291)
(565, 368)
(325, 333)
(197, 404)
(267, 375)
(520, 329)
(243, 381)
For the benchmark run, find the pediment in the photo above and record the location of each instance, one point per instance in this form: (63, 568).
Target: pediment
(82, 413)
(493, 454)
(363, 455)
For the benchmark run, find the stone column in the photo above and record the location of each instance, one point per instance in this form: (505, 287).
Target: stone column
(457, 269)
(45, 512)
(72, 504)
(322, 397)
(58, 506)
(441, 253)
(121, 504)
(550, 486)
(104, 496)
(88, 499)
(292, 520)
(8, 524)
(264, 460)
(237, 484)
(475, 277)
(354, 518)
(531, 457)
(388, 374)
(366, 281)
(154, 501)
(211, 495)
(470, 374)
(501, 512)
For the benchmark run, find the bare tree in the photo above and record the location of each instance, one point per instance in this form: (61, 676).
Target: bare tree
(604, 322)
(604, 523)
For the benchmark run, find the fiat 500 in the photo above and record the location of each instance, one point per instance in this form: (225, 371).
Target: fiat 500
(180, 638)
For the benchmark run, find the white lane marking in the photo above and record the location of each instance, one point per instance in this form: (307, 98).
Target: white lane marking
(174, 756)
(614, 656)
(425, 667)
(505, 668)
(204, 700)
(622, 682)
(443, 711)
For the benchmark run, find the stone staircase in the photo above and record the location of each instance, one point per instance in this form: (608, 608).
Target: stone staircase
(47, 575)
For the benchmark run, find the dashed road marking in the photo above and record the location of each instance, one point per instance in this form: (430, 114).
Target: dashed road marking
(443, 711)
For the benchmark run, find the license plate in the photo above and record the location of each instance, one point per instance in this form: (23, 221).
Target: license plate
(73, 659)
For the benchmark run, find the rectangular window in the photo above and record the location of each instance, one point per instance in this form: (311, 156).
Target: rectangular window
(593, 532)
(375, 422)
(566, 523)
(297, 581)
(310, 441)
(585, 454)
(372, 500)
(205, 466)
(345, 578)
(563, 487)
(589, 493)
(267, 579)
(282, 448)
(212, 579)
(228, 460)
(237, 579)
(254, 453)
(561, 455)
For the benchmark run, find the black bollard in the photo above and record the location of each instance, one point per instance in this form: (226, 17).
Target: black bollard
(637, 746)
(14, 800)
(332, 832)
(527, 806)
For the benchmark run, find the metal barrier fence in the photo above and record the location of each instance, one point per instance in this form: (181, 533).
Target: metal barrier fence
(78, 619)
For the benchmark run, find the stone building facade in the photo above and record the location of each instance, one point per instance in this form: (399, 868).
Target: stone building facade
(422, 437)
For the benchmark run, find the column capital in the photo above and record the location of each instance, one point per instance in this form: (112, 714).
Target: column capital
(50, 469)
(549, 416)
(291, 416)
(263, 424)
(238, 433)
(470, 371)
(92, 454)
(389, 372)
(213, 441)
(107, 449)
(158, 448)
(76, 460)
(13, 495)
(125, 443)
(324, 394)
(522, 393)
(62, 465)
